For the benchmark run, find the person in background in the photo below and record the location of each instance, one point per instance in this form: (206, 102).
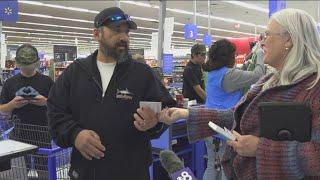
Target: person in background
(193, 83)
(29, 110)
(32, 110)
(140, 58)
(165, 95)
(291, 45)
(224, 88)
(93, 107)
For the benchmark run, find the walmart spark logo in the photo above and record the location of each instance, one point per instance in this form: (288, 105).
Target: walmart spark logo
(8, 11)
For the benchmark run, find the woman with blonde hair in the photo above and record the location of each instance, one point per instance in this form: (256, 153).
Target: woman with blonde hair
(292, 46)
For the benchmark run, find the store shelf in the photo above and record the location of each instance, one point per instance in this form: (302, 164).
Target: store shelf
(179, 66)
(59, 67)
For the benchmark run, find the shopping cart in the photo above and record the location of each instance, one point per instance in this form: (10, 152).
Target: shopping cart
(50, 162)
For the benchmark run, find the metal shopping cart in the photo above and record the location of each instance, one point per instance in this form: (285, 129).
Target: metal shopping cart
(50, 162)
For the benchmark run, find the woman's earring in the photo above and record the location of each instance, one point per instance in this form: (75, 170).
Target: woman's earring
(287, 48)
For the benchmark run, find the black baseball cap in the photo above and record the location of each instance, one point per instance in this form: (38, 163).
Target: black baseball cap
(113, 16)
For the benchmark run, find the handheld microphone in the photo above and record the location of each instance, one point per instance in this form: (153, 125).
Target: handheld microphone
(175, 167)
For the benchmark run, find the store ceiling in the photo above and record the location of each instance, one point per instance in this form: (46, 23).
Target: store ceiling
(36, 27)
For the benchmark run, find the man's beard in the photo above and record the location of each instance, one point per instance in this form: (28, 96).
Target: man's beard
(118, 55)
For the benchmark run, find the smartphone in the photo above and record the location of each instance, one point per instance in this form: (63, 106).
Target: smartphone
(223, 133)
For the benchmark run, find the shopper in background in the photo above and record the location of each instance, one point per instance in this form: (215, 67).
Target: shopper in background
(193, 83)
(291, 45)
(224, 88)
(159, 76)
(93, 107)
(139, 58)
(29, 110)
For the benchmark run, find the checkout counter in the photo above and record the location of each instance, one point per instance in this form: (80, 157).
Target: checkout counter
(175, 138)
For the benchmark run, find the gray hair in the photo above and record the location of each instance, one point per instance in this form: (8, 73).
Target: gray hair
(303, 58)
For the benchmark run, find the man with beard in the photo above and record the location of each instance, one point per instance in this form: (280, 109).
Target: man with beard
(93, 107)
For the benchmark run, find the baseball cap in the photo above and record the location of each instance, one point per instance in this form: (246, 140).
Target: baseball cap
(26, 54)
(113, 16)
(198, 48)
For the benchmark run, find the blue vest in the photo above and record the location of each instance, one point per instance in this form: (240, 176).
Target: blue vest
(217, 98)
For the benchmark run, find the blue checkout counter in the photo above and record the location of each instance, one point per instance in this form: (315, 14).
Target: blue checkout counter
(175, 138)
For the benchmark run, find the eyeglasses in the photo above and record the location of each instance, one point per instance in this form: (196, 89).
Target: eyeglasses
(202, 54)
(115, 18)
(267, 34)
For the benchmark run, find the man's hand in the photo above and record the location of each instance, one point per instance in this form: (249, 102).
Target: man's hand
(89, 144)
(17, 102)
(39, 100)
(146, 119)
(171, 115)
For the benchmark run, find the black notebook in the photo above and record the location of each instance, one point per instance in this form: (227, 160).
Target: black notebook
(285, 121)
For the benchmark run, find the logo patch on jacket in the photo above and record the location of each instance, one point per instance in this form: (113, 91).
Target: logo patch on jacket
(124, 94)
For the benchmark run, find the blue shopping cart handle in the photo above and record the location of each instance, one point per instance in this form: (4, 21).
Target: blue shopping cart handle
(6, 132)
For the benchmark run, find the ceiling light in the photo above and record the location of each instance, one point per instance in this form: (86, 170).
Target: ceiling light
(45, 34)
(139, 4)
(153, 29)
(31, 33)
(191, 13)
(41, 30)
(134, 17)
(249, 6)
(53, 17)
(58, 6)
(43, 38)
(54, 25)
(144, 19)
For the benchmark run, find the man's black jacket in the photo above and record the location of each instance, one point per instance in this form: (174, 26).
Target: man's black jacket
(75, 103)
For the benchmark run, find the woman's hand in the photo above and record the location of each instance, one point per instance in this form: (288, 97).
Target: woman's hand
(171, 115)
(245, 145)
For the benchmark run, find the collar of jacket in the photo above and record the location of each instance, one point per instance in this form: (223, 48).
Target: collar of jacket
(89, 64)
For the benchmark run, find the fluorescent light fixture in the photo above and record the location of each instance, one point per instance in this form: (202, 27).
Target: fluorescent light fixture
(142, 34)
(217, 29)
(184, 42)
(45, 34)
(139, 18)
(53, 17)
(176, 37)
(58, 6)
(140, 38)
(42, 30)
(261, 26)
(229, 31)
(144, 42)
(228, 37)
(139, 4)
(54, 25)
(144, 19)
(56, 41)
(153, 29)
(249, 6)
(66, 32)
(190, 13)
(24, 37)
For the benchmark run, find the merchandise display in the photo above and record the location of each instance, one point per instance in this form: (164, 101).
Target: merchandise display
(59, 67)
(179, 64)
